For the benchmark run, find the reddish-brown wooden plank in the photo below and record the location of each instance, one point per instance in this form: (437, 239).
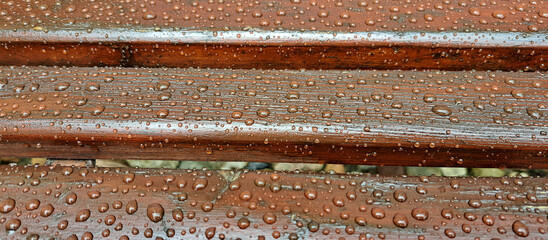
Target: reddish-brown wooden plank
(346, 34)
(316, 15)
(65, 202)
(425, 118)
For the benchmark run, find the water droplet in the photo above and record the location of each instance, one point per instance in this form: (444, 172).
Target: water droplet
(71, 198)
(450, 233)
(517, 94)
(237, 115)
(210, 232)
(400, 220)
(12, 225)
(92, 87)
(162, 85)
(164, 96)
(419, 214)
(97, 110)
(429, 98)
(155, 212)
(7, 205)
(378, 213)
(474, 11)
(62, 225)
(447, 213)
(177, 214)
(338, 201)
(442, 110)
(520, 229)
(498, 14)
(361, 111)
(400, 196)
(199, 184)
(243, 223)
(129, 177)
(61, 86)
(149, 16)
(474, 203)
(32, 204)
(269, 218)
(83, 215)
(246, 195)
(327, 114)
(310, 194)
(47, 210)
(534, 113)
(162, 113)
(81, 101)
(132, 207)
(263, 112)
(488, 220)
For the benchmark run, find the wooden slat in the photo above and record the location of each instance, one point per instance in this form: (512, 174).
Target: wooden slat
(414, 118)
(346, 34)
(65, 202)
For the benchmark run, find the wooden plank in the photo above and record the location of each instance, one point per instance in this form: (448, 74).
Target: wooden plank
(319, 34)
(68, 202)
(413, 118)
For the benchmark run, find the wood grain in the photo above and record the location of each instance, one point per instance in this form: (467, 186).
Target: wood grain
(140, 204)
(408, 83)
(323, 34)
(412, 118)
(296, 15)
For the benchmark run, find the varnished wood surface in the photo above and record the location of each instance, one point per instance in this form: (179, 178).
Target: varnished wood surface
(296, 15)
(413, 118)
(347, 34)
(338, 56)
(103, 203)
(443, 83)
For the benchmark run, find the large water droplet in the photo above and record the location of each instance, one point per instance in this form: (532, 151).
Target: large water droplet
(155, 212)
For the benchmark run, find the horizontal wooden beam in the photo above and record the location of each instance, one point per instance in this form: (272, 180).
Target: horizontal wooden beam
(68, 202)
(413, 118)
(296, 15)
(322, 34)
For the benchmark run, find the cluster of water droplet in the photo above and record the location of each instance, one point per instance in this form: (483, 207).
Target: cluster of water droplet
(124, 204)
(361, 107)
(349, 15)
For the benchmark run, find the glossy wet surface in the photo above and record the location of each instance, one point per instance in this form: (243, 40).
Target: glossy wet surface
(346, 34)
(110, 203)
(433, 118)
(295, 15)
